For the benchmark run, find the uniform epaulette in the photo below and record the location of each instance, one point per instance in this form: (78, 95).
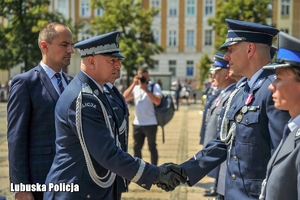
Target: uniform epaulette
(86, 89)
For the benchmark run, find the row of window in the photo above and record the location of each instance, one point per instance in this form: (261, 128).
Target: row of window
(190, 40)
(173, 7)
(173, 66)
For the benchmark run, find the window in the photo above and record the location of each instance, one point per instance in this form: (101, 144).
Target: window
(172, 67)
(85, 10)
(99, 12)
(156, 66)
(285, 7)
(190, 35)
(83, 35)
(172, 38)
(156, 36)
(208, 38)
(208, 7)
(62, 7)
(190, 8)
(156, 5)
(173, 6)
(190, 68)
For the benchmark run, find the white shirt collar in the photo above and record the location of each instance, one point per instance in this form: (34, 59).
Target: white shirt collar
(49, 71)
(294, 123)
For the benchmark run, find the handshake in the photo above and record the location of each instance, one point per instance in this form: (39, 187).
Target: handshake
(170, 176)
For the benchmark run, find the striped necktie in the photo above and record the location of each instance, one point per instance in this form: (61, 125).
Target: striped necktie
(59, 82)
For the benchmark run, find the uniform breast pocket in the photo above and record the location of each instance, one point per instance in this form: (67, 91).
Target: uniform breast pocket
(248, 129)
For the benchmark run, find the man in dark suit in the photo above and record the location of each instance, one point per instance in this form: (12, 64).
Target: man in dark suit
(283, 179)
(253, 126)
(89, 154)
(30, 110)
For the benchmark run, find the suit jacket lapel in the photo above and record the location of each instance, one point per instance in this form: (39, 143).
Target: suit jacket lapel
(287, 147)
(257, 84)
(47, 83)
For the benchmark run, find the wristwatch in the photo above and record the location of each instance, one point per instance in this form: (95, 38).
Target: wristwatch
(147, 91)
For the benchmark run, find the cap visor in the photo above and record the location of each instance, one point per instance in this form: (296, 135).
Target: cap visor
(274, 66)
(216, 68)
(226, 44)
(114, 54)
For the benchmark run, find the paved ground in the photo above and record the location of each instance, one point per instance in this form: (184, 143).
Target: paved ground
(181, 143)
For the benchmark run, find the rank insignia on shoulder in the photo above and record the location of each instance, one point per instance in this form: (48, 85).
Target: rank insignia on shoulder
(298, 133)
(86, 89)
(258, 83)
(96, 92)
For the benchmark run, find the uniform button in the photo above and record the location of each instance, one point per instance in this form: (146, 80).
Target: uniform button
(143, 185)
(233, 177)
(88, 196)
(235, 158)
(247, 121)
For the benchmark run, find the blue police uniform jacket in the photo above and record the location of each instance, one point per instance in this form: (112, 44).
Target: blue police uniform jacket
(213, 119)
(257, 136)
(120, 108)
(211, 96)
(31, 126)
(69, 165)
(283, 171)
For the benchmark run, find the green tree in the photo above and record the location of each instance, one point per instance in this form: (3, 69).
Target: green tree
(18, 38)
(245, 10)
(204, 66)
(134, 21)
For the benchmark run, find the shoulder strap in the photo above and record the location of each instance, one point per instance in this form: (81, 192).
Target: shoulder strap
(152, 87)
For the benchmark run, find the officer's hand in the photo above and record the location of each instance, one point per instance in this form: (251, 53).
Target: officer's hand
(169, 177)
(24, 196)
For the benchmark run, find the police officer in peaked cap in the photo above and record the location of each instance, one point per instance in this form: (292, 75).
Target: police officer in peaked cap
(89, 156)
(282, 177)
(252, 128)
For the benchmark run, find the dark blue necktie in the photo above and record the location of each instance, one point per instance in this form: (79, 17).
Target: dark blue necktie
(59, 82)
(246, 90)
(286, 132)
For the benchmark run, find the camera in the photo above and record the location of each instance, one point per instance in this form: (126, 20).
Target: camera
(143, 79)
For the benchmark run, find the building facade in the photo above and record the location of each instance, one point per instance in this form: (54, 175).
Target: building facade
(180, 28)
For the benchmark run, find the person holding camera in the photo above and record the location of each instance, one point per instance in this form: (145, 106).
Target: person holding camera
(145, 123)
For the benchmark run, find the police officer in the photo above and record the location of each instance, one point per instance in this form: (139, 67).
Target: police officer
(251, 132)
(282, 180)
(211, 93)
(120, 108)
(88, 151)
(223, 81)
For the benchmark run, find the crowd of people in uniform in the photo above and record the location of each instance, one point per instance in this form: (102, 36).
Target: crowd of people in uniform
(73, 131)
